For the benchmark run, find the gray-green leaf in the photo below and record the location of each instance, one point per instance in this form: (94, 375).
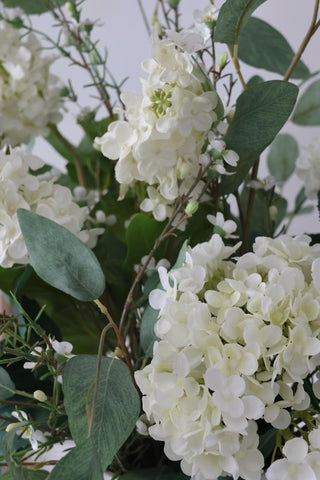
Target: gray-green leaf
(307, 111)
(81, 463)
(261, 112)
(233, 16)
(117, 406)
(282, 157)
(32, 6)
(7, 387)
(60, 258)
(262, 46)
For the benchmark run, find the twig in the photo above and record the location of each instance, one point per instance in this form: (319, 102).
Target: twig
(144, 17)
(311, 31)
(122, 346)
(76, 157)
(166, 232)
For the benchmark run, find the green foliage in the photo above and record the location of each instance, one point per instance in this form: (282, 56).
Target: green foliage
(60, 258)
(81, 463)
(233, 16)
(141, 234)
(7, 278)
(117, 406)
(261, 223)
(7, 387)
(75, 320)
(32, 6)
(262, 46)
(307, 111)
(261, 112)
(282, 157)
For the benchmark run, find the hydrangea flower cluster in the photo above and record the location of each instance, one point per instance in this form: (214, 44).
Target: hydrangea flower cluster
(29, 94)
(308, 168)
(165, 133)
(237, 339)
(20, 189)
(302, 459)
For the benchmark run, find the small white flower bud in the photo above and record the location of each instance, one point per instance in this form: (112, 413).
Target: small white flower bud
(273, 212)
(223, 59)
(192, 207)
(40, 396)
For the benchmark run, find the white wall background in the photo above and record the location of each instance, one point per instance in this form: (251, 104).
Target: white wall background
(123, 32)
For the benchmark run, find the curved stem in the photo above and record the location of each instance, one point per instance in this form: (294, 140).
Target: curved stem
(96, 381)
(76, 157)
(122, 346)
(235, 59)
(311, 31)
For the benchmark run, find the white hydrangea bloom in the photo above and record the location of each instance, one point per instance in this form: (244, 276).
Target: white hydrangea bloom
(29, 94)
(21, 189)
(236, 341)
(166, 126)
(308, 168)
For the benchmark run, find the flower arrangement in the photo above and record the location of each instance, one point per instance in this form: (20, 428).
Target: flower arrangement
(152, 291)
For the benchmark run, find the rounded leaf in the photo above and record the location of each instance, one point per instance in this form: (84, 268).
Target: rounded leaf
(60, 258)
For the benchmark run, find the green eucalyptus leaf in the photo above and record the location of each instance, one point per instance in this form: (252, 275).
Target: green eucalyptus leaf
(7, 387)
(261, 112)
(141, 234)
(60, 258)
(8, 277)
(307, 111)
(233, 16)
(32, 6)
(147, 335)
(254, 81)
(94, 128)
(262, 46)
(267, 441)
(117, 406)
(81, 463)
(282, 157)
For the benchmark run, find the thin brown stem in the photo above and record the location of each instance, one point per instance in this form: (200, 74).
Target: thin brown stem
(144, 17)
(166, 232)
(312, 29)
(21, 404)
(77, 41)
(103, 309)
(75, 156)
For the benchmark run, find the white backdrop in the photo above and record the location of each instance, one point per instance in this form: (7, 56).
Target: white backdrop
(123, 32)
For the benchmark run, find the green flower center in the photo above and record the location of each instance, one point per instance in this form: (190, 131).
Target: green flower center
(160, 101)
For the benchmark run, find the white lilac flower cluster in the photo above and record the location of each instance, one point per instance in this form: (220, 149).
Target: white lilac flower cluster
(162, 140)
(308, 168)
(29, 94)
(20, 189)
(237, 339)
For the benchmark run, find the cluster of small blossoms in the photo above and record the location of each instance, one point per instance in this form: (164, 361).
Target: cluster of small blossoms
(236, 340)
(166, 128)
(308, 168)
(29, 94)
(21, 189)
